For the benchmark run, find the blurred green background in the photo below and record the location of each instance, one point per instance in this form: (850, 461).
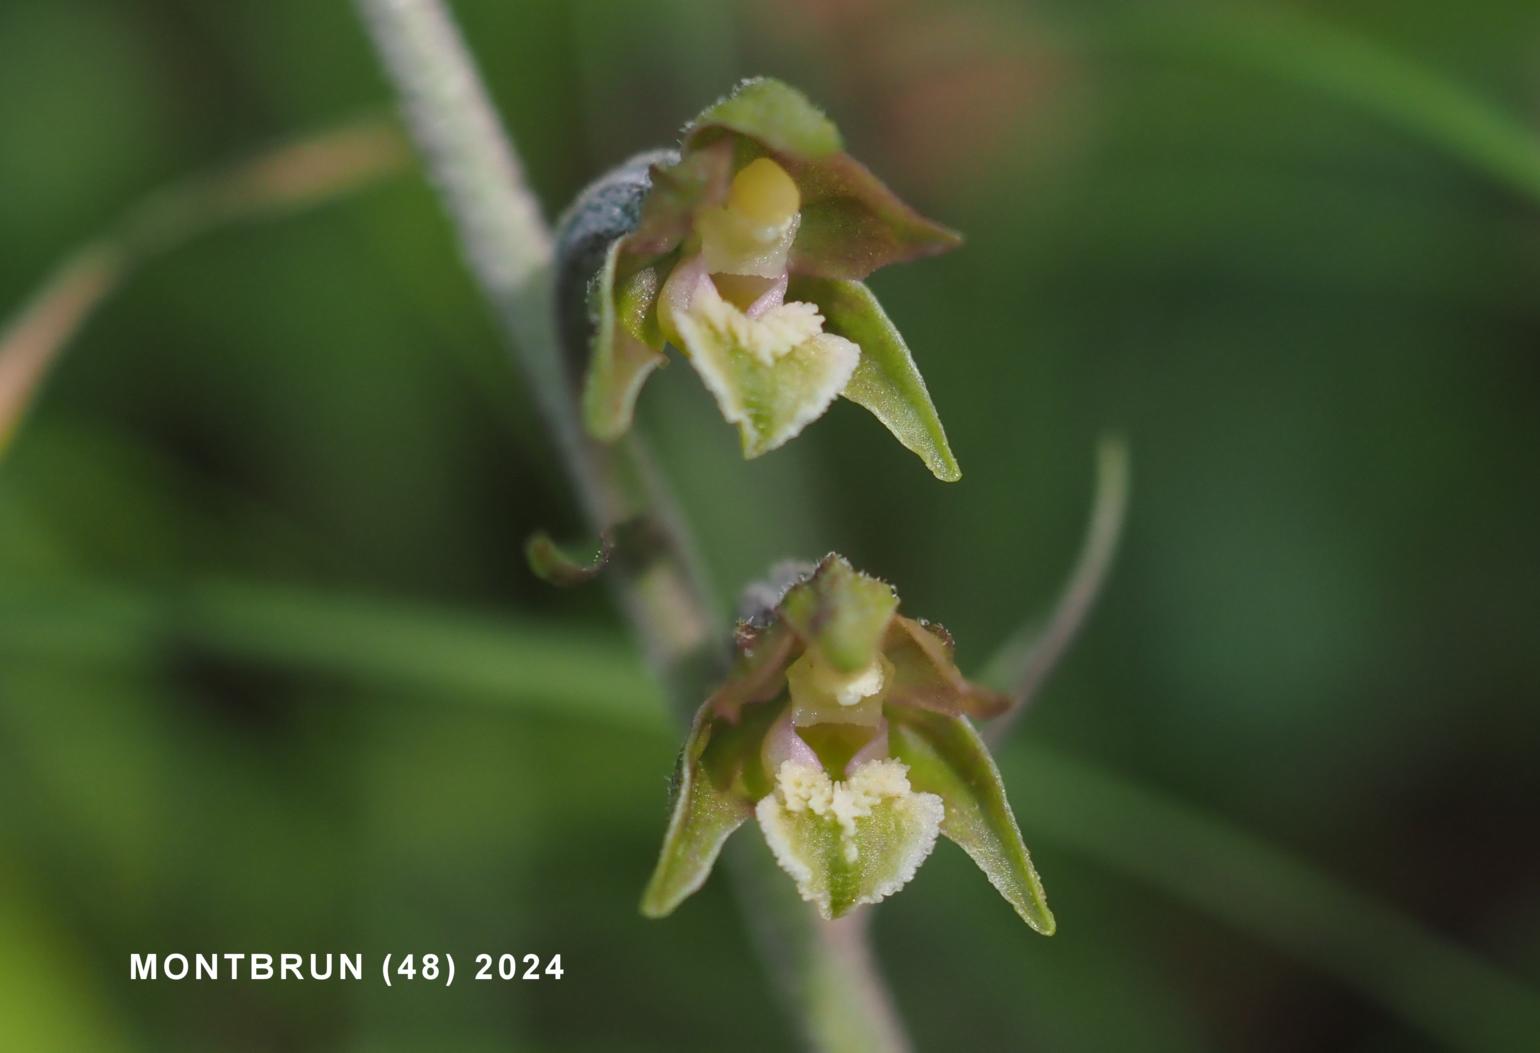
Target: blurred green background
(273, 676)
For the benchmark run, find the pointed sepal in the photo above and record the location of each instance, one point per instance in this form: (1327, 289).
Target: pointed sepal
(886, 381)
(706, 811)
(946, 757)
(853, 224)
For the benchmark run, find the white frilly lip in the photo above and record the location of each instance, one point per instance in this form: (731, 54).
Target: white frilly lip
(850, 842)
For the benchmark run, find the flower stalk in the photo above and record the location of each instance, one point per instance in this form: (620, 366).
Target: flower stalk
(509, 250)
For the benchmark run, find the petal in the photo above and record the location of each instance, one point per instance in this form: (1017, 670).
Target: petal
(759, 668)
(620, 360)
(678, 187)
(924, 673)
(770, 399)
(843, 857)
(946, 757)
(852, 224)
(841, 613)
(886, 382)
(704, 814)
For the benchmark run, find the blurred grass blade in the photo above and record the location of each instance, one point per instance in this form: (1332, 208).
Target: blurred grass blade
(440, 654)
(1266, 893)
(1033, 651)
(289, 176)
(1294, 45)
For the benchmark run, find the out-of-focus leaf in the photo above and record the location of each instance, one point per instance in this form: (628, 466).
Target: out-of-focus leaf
(775, 114)
(841, 613)
(704, 815)
(551, 565)
(946, 757)
(886, 380)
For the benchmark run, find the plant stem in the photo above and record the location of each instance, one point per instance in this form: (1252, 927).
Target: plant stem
(1031, 654)
(508, 247)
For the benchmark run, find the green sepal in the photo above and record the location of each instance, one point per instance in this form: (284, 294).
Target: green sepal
(775, 114)
(886, 381)
(841, 614)
(621, 358)
(946, 757)
(853, 224)
(704, 815)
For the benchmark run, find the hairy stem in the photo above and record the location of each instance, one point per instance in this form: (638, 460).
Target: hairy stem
(508, 247)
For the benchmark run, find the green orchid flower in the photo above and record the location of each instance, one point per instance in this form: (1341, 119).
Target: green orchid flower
(843, 731)
(746, 253)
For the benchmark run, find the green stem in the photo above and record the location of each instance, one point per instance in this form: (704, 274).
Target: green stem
(508, 247)
(1030, 655)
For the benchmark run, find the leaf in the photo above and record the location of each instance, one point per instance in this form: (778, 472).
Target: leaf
(842, 861)
(619, 361)
(775, 114)
(704, 816)
(946, 757)
(886, 380)
(841, 613)
(554, 567)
